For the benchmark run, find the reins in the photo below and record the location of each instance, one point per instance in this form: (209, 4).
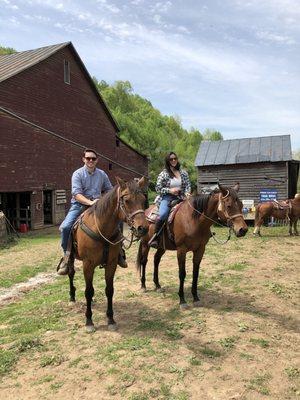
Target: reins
(129, 220)
(221, 208)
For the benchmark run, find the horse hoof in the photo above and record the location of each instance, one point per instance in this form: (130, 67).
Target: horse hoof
(143, 290)
(90, 328)
(112, 327)
(197, 303)
(160, 290)
(184, 306)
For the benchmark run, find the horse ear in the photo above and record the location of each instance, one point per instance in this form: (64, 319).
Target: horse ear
(142, 182)
(223, 190)
(236, 187)
(121, 182)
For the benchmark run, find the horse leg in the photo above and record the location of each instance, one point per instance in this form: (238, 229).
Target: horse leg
(291, 227)
(144, 249)
(197, 257)
(88, 272)
(71, 274)
(296, 233)
(157, 257)
(109, 291)
(258, 224)
(181, 257)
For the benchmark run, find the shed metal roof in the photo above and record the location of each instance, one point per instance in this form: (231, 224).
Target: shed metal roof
(244, 151)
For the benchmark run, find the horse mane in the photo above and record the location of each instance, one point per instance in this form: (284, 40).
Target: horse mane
(200, 201)
(102, 206)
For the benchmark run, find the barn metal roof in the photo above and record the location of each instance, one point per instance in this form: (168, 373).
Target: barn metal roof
(241, 151)
(12, 64)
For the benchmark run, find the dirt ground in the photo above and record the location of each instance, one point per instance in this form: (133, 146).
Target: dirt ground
(243, 343)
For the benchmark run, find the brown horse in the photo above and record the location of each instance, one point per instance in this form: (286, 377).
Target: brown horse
(191, 232)
(288, 209)
(97, 239)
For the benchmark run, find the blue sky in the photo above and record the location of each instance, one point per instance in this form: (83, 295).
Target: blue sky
(229, 65)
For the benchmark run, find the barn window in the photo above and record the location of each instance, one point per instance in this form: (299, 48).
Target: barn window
(110, 166)
(117, 142)
(67, 72)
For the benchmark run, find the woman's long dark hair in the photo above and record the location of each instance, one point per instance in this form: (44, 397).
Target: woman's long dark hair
(168, 166)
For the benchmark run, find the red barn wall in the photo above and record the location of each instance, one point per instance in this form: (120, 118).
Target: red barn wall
(33, 160)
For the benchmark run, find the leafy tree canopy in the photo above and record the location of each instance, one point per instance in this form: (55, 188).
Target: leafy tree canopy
(150, 132)
(6, 50)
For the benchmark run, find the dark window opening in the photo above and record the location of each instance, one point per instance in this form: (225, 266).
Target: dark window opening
(117, 142)
(110, 166)
(67, 72)
(47, 194)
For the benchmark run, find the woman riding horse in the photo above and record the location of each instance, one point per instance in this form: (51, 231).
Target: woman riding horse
(191, 232)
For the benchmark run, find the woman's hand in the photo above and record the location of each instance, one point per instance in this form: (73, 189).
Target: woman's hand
(175, 191)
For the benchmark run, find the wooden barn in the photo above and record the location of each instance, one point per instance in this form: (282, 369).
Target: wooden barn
(263, 166)
(50, 110)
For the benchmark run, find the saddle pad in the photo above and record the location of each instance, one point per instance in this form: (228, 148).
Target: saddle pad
(173, 212)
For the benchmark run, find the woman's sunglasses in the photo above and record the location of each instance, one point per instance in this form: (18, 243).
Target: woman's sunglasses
(173, 159)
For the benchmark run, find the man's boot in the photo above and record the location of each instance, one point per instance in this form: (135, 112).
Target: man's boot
(63, 266)
(122, 259)
(154, 241)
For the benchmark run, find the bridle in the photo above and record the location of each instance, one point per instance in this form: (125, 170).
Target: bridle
(222, 208)
(128, 217)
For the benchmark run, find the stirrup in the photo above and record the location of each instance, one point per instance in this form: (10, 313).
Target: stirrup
(153, 242)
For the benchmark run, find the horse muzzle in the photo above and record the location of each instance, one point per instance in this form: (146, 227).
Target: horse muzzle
(241, 232)
(140, 231)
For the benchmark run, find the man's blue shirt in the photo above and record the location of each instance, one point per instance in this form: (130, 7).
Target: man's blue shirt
(89, 185)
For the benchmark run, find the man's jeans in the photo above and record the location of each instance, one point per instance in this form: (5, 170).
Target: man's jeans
(164, 207)
(66, 226)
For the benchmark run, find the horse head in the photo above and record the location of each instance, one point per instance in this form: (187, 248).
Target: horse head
(131, 205)
(230, 209)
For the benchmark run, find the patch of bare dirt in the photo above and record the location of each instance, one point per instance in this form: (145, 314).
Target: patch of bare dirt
(242, 344)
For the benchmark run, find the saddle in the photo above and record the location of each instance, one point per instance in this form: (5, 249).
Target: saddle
(282, 204)
(152, 216)
(152, 213)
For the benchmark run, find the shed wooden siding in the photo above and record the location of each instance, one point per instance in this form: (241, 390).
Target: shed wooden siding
(40, 95)
(251, 178)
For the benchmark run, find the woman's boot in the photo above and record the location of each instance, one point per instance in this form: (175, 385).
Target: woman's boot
(154, 241)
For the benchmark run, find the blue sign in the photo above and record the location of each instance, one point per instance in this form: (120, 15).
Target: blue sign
(268, 195)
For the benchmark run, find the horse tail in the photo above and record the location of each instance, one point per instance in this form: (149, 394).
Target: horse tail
(139, 259)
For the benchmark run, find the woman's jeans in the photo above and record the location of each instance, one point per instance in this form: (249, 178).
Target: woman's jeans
(66, 226)
(164, 207)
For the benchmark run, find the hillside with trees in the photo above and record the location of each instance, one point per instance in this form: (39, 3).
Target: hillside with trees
(146, 129)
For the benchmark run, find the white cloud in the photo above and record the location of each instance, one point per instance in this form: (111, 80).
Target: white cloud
(275, 38)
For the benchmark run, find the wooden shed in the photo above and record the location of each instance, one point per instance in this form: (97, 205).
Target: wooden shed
(263, 166)
(50, 110)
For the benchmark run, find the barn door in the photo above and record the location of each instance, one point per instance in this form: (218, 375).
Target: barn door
(48, 210)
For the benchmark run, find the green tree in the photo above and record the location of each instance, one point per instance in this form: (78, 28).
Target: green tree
(6, 50)
(150, 132)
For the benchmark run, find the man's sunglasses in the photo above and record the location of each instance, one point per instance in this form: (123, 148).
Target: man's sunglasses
(91, 158)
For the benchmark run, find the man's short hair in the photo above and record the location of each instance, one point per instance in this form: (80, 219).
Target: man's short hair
(90, 151)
